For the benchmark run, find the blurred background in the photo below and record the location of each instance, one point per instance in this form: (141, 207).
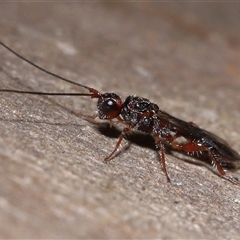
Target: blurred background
(182, 56)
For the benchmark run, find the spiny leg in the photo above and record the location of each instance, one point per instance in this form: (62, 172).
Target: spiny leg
(124, 132)
(194, 147)
(191, 147)
(161, 156)
(221, 170)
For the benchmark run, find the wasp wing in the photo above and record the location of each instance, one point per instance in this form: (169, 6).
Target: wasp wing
(220, 148)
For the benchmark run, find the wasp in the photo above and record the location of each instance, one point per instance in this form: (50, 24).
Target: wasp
(140, 114)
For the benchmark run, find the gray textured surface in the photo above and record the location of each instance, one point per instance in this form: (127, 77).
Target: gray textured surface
(185, 57)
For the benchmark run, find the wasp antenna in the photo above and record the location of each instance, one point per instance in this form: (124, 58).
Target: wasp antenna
(94, 92)
(46, 93)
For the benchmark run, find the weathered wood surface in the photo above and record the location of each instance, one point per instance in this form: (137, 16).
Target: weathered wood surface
(185, 57)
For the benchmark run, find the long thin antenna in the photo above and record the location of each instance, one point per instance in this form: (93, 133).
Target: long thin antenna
(95, 94)
(46, 93)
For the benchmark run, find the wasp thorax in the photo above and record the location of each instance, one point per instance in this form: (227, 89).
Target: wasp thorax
(109, 106)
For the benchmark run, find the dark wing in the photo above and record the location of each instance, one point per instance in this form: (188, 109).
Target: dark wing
(225, 154)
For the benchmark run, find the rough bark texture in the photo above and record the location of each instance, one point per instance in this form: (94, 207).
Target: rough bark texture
(54, 184)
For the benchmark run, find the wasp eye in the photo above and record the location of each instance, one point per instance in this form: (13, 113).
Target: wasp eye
(109, 106)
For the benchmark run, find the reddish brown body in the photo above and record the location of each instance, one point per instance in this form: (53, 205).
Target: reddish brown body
(138, 113)
(142, 115)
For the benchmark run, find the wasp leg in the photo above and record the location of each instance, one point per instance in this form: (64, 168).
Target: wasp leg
(221, 170)
(194, 147)
(87, 117)
(124, 132)
(161, 156)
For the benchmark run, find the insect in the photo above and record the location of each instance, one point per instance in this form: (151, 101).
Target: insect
(138, 113)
